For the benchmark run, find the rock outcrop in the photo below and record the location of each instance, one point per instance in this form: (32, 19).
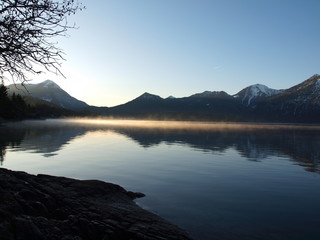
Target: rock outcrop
(45, 207)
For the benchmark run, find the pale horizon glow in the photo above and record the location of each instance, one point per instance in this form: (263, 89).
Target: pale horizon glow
(124, 48)
(107, 122)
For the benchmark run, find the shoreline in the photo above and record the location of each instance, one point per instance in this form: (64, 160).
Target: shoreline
(44, 207)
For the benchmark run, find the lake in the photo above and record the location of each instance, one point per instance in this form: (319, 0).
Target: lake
(215, 180)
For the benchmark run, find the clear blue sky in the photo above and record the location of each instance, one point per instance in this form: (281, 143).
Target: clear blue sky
(124, 48)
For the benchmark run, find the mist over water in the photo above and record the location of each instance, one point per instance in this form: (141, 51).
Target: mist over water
(216, 180)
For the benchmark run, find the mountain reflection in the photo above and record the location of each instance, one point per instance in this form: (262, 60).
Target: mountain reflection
(256, 143)
(9, 137)
(302, 145)
(37, 137)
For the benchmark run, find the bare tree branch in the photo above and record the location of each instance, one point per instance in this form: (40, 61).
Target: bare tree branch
(26, 27)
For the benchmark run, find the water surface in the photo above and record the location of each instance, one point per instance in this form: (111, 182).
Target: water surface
(217, 181)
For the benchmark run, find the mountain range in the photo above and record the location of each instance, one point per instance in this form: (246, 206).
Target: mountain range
(50, 92)
(300, 103)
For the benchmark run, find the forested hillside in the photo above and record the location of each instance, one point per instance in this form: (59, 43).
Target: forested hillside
(11, 107)
(16, 107)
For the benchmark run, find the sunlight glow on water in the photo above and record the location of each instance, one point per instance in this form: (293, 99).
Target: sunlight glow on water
(216, 180)
(185, 124)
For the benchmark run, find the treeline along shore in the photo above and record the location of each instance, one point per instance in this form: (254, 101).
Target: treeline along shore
(15, 107)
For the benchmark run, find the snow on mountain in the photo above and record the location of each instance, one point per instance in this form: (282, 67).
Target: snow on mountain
(51, 92)
(300, 102)
(49, 84)
(255, 92)
(306, 92)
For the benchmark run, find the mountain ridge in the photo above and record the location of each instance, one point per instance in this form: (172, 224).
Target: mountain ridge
(255, 92)
(307, 90)
(299, 103)
(51, 92)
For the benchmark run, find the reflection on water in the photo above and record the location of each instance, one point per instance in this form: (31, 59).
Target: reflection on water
(254, 142)
(218, 181)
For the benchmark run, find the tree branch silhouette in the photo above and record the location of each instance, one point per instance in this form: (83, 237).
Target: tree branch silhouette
(26, 30)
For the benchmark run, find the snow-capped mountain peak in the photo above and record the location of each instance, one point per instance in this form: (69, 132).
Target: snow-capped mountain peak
(260, 89)
(49, 84)
(249, 94)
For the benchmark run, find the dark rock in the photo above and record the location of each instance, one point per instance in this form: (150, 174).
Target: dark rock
(45, 207)
(28, 195)
(25, 229)
(134, 195)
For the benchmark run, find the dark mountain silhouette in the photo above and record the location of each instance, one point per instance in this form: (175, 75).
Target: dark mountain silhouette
(300, 103)
(49, 92)
(214, 94)
(212, 106)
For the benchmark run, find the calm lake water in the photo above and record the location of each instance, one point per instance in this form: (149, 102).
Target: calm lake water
(217, 181)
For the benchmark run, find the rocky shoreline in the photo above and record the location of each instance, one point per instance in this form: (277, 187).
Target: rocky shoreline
(44, 207)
